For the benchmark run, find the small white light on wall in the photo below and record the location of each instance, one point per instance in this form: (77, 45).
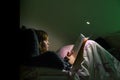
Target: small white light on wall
(87, 22)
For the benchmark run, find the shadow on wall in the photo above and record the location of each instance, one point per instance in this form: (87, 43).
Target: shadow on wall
(103, 43)
(111, 43)
(113, 40)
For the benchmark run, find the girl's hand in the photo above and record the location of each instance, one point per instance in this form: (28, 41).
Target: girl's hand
(70, 56)
(70, 53)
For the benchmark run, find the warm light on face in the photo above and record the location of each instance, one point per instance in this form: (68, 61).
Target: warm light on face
(46, 42)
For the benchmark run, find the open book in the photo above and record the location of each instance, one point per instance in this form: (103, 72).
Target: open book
(78, 55)
(78, 44)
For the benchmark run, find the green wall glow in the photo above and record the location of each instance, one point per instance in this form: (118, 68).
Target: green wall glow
(67, 18)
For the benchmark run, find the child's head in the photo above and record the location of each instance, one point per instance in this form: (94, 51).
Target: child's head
(43, 40)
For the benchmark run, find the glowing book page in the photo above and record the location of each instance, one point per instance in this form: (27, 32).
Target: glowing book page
(78, 44)
(79, 49)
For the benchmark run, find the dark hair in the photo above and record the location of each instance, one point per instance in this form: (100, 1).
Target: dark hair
(42, 35)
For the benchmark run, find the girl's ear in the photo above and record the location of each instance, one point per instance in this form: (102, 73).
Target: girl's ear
(42, 44)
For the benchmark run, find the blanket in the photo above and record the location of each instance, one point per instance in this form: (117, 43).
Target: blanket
(98, 63)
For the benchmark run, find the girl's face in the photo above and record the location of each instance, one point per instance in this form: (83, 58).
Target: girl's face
(44, 46)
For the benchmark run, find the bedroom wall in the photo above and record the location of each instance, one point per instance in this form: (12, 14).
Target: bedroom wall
(64, 20)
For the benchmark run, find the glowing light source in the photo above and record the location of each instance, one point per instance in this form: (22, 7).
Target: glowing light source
(87, 22)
